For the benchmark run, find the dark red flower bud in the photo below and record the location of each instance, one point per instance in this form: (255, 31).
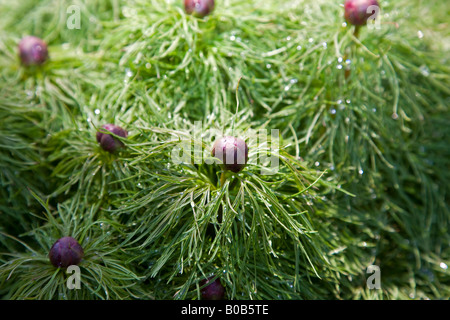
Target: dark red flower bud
(199, 8)
(107, 141)
(357, 12)
(33, 51)
(232, 152)
(214, 290)
(66, 252)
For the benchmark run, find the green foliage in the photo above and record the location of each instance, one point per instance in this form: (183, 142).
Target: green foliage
(363, 151)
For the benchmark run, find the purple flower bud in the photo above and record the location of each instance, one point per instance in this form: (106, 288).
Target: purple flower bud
(357, 12)
(199, 8)
(33, 51)
(66, 252)
(107, 141)
(232, 152)
(214, 290)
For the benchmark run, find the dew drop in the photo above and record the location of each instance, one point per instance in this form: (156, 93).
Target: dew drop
(333, 111)
(443, 265)
(97, 111)
(299, 47)
(339, 66)
(317, 163)
(395, 116)
(268, 66)
(425, 71)
(361, 171)
(344, 24)
(288, 38)
(232, 38)
(420, 34)
(38, 90)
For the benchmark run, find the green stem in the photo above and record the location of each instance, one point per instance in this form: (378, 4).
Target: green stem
(223, 178)
(356, 32)
(356, 35)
